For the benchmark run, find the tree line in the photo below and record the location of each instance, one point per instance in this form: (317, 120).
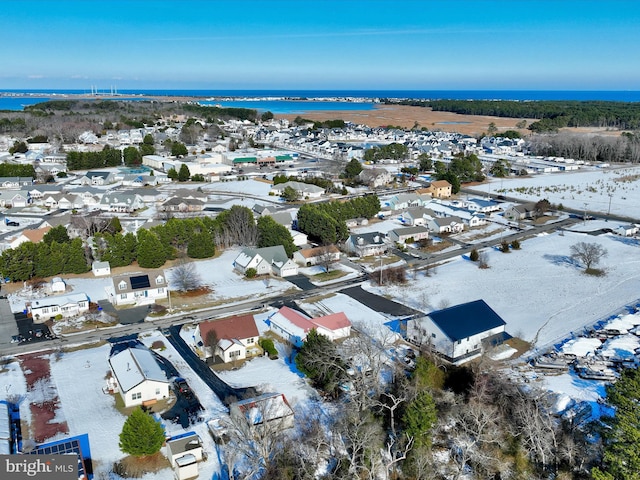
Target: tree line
(326, 222)
(551, 115)
(599, 148)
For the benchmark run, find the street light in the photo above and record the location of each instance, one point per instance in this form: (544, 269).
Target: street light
(169, 296)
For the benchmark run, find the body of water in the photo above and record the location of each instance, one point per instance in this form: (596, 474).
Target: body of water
(284, 101)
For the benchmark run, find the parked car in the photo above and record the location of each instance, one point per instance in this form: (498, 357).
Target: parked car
(11, 223)
(182, 387)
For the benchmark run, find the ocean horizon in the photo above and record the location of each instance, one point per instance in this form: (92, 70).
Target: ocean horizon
(300, 101)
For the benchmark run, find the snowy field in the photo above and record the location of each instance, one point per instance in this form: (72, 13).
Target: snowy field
(539, 291)
(596, 188)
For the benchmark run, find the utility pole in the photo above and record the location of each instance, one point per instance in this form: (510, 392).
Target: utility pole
(609, 210)
(584, 218)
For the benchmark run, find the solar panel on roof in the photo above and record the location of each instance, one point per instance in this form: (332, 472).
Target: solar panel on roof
(141, 281)
(65, 447)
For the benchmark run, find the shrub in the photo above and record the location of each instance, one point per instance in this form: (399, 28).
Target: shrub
(474, 256)
(267, 346)
(250, 272)
(504, 246)
(515, 244)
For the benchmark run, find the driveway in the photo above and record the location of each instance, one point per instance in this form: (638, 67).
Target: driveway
(225, 393)
(8, 326)
(378, 303)
(301, 281)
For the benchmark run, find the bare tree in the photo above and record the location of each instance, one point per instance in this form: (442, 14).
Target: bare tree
(326, 257)
(185, 277)
(589, 254)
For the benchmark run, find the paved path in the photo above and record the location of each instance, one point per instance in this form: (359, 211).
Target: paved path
(378, 303)
(225, 393)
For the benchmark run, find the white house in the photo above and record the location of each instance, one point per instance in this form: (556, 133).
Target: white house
(293, 326)
(45, 308)
(141, 289)
(139, 378)
(459, 333)
(628, 230)
(366, 244)
(236, 337)
(304, 190)
(452, 224)
(57, 285)
(265, 261)
(313, 256)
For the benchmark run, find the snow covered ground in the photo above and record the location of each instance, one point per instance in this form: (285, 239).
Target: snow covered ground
(539, 290)
(596, 188)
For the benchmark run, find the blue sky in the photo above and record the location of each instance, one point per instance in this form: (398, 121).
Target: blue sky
(323, 44)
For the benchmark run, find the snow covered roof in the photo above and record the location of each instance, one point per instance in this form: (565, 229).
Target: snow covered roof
(133, 366)
(265, 408)
(332, 322)
(60, 300)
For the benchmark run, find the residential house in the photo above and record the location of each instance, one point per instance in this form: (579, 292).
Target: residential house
(101, 269)
(520, 212)
(184, 452)
(356, 222)
(304, 190)
(14, 198)
(299, 239)
(235, 337)
(267, 260)
(268, 411)
(121, 202)
(182, 205)
(482, 205)
(139, 378)
(16, 182)
(417, 216)
(375, 177)
(452, 224)
(63, 201)
(33, 236)
(628, 230)
(366, 244)
(438, 189)
(408, 234)
(308, 257)
(98, 178)
(139, 180)
(140, 288)
(45, 308)
(403, 201)
(459, 333)
(293, 326)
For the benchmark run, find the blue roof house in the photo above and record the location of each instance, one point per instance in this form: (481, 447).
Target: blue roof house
(459, 333)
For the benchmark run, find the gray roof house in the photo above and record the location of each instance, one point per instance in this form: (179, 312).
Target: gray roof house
(366, 244)
(267, 260)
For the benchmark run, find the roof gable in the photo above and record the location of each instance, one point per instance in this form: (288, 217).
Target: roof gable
(239, 326)
(467, 319)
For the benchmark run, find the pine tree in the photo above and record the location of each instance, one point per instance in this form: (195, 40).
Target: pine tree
(141, 434)
(419, 418)
(621, 459)
(201, 246)
(151, 254)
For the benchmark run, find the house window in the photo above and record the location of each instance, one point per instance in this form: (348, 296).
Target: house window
(45, 310)
(157, 391)
(234, 354)
(122, 285)
(433, 335)
(123, 296)
(159, 280)
(136, 396)
(250, 340)
(459, 342)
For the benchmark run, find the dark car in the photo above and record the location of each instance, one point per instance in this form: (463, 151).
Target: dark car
(182, 387)
(11, 223)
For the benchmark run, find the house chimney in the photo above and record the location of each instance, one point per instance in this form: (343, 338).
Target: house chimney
(128, 367)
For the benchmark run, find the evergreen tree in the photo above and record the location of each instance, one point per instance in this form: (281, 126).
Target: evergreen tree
(76, 261)
(114, 225)
(151, 254)
(172, 174)
(201, 246)
(56, 234)
(621, 459)
(353, 169)
(141, 434)
(184, 174)
(419, 418)
(271, 233)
